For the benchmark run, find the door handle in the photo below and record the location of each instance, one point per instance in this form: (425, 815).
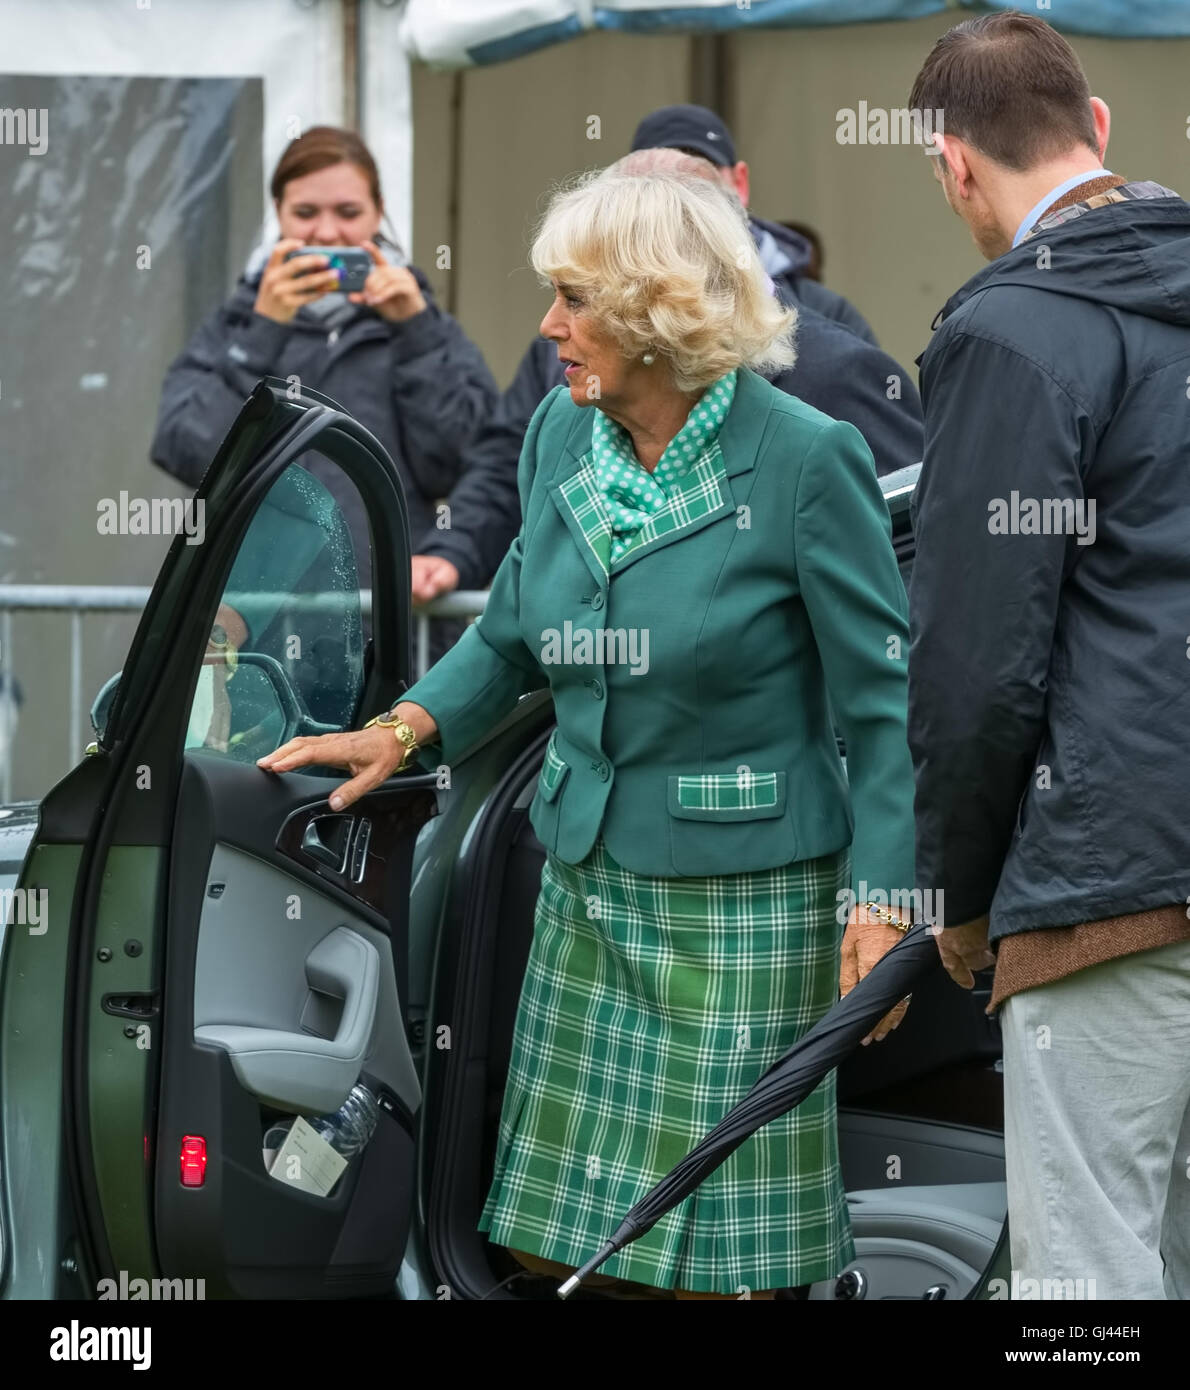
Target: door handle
(359, 849)
(327, 839)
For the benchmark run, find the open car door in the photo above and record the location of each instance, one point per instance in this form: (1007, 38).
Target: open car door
(223, 952)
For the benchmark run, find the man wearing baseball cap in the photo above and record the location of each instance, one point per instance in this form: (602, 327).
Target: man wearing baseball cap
(784, 253)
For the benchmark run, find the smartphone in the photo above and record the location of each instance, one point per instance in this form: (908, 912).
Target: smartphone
(352, 262)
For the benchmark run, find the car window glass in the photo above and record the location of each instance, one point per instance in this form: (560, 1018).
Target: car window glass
(285, 652)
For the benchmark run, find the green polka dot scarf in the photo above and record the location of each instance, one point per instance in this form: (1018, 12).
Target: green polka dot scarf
(630, 492)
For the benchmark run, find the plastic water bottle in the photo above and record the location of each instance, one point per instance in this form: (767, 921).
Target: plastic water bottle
(348, 1130)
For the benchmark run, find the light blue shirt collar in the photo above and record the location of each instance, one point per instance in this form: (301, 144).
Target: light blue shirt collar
(1052, 197)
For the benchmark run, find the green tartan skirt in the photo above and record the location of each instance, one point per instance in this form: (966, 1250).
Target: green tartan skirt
(649, 1008)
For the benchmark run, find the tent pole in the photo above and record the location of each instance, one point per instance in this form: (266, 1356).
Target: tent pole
(710, 73)
(352, 103)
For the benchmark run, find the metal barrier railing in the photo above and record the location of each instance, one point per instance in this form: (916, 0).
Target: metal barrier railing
(76, 600)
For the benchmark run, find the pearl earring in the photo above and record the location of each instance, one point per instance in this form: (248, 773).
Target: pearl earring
(648, 359)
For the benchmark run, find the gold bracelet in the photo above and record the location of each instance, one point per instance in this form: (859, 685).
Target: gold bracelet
(403, 732)
(886, 916)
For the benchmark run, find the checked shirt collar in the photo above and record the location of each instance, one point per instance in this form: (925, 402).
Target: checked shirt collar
(622, 507)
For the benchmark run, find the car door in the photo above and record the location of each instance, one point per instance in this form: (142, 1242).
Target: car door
(225, 954)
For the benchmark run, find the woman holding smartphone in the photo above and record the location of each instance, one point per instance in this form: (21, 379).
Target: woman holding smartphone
(387, 353)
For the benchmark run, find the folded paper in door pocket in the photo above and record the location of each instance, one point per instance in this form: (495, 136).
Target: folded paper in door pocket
(307, 1161)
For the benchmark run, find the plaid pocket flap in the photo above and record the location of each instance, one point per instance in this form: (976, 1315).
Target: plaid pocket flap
(553, 771)
(728, 796)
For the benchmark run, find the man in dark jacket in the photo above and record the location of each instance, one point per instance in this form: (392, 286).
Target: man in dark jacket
(839, 371)
(1049, 684)
(784, 253)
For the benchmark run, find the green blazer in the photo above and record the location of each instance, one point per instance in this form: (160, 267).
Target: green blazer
(694, 686)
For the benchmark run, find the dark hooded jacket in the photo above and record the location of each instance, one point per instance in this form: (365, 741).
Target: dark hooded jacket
(1049, 687)
(785, 254)
(419, 385)
(836, 371)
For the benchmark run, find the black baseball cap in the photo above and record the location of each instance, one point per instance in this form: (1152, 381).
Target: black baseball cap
(686, 128)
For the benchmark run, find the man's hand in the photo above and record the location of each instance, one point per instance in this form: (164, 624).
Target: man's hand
(964, 949)
(866, 939)
(433, 576)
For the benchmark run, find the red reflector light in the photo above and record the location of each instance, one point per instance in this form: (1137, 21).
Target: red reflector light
(194, 1160)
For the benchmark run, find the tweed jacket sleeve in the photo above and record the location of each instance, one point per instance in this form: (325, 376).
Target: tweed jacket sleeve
(483, 676)
(847, 572)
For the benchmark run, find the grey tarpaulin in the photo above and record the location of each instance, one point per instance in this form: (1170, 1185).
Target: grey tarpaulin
(129, 225)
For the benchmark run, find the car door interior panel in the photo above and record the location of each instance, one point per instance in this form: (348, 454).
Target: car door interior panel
(283, 992)
(237, 954)
(297, 1029)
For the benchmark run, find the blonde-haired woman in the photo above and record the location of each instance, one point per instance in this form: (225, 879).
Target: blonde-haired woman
(704, 572)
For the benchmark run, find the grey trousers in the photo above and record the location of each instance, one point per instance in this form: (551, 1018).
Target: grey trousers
(1097, 1129)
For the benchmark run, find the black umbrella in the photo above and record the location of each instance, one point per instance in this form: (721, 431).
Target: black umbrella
(787, 1083)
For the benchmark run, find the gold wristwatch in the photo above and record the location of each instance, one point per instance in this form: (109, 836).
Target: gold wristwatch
(404, 735)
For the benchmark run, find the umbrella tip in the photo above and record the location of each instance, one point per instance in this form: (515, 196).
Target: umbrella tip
(566, 1289)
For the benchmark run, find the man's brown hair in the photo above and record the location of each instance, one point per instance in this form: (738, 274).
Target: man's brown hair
(1009, 85)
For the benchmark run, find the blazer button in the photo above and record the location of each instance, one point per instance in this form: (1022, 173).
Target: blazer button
(597, 600)
(596, 689)
(602, 770)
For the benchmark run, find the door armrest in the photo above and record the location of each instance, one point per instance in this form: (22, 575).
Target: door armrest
(295, 1071)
